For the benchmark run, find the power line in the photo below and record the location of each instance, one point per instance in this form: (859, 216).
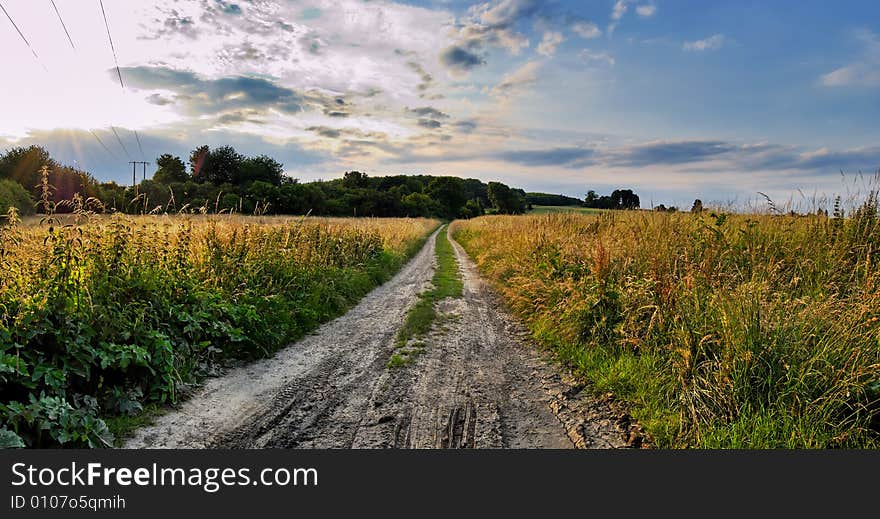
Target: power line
(63, 25)
(26, 42)
(139, 144)
(103, 145)
(112, 47)
(120, 142)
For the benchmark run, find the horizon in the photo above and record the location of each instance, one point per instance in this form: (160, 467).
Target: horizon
(674, 100)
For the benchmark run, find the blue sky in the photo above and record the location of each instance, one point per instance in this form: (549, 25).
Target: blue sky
(676, 99)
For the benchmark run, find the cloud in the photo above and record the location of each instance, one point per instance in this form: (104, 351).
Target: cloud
(619, 9)
(427, 111)
(228, 8)
(460, 59)
(427, 79)
(159, 100)
(198, 96)
(714, 42)
(617, 12)
(666, 152)
(323, 131)
(589, 56)
(856, 159)
(491, 25)
(549, 44)
(465, 126)
(431, 124)
(586, 30)
(513, 82)
(567, 157)
(507, 12)
(646, 11)
(864, 72)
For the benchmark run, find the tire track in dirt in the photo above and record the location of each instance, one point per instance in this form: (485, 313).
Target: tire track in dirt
(479, 383)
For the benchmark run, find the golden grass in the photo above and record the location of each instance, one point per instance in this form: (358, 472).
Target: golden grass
(719, 330)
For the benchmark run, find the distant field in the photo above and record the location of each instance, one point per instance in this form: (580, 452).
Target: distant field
(719, 331)
(552, 209)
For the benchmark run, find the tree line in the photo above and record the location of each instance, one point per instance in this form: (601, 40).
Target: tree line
(223, 180)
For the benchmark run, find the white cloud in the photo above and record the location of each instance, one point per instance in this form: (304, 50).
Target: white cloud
(646, 11)
(513, 82)
(586, 30)
(864, 72)
(620, 8)
(588, 56)
(714, 42)
(548, 45)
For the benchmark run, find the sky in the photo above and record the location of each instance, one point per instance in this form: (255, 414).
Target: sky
(718, 100)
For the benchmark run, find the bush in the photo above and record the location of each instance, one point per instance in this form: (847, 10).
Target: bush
(12, 194)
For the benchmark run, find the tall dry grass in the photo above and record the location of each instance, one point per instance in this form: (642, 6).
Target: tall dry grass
(720, 330)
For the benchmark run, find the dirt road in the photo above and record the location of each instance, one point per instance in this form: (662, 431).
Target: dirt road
(478, 384)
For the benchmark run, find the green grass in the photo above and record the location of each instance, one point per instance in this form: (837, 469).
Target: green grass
(123, 426)
(422, 316)
(552, 209)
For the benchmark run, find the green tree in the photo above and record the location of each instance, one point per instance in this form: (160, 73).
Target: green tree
(22, 164)
(171, 169)
(449, 193)
(261, 168)
(419, 204)
(624, 199)
(354, 179)
(224, 166)
(13, 194)
(506, 200)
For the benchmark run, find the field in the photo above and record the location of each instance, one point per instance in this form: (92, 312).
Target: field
(553, 209)
(104, 316)
(717, 330)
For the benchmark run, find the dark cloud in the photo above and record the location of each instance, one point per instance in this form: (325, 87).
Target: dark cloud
(430, 124)
(671, 152)
(465, 126)
(427, 111)
(775, 157)
(242, 116)
(749, 157)
(228, 8)
(323, 131)
(461, 59)
(427, 79)
(493, 25)
(210, 96)
(567, 157)
(158, 99)
(337, 133)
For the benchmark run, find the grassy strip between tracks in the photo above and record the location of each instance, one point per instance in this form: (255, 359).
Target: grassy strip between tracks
(447, 283)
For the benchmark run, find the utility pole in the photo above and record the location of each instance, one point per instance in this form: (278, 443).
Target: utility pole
(134, 183)
(134, 164)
